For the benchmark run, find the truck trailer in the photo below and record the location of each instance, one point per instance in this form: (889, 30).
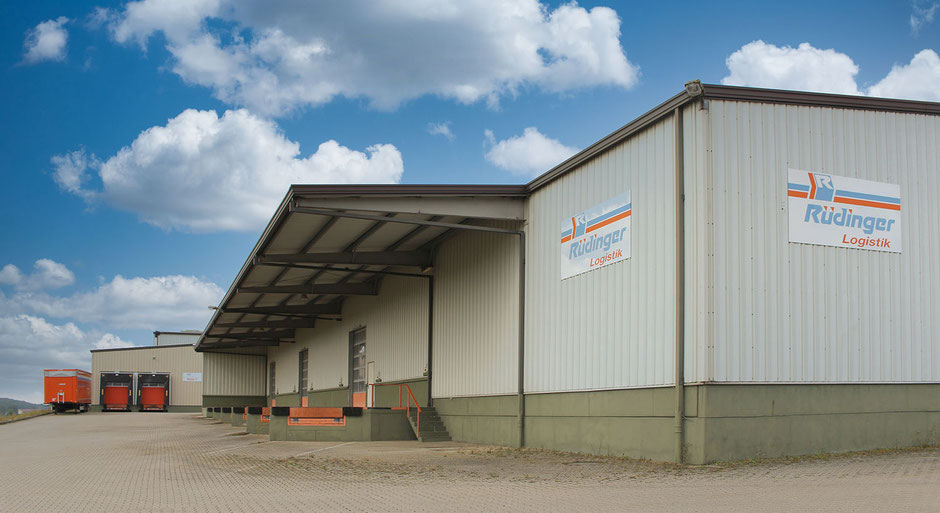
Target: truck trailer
(67, 389)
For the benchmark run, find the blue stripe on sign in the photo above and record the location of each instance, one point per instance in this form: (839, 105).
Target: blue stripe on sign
(565, 233)
(872, 197)
(797, 187)
(608, 215)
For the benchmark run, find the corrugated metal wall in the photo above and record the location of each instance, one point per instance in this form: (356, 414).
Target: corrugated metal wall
(175, 360)
(613, 327)
(476, 302)
(233, 374)
(396, 323)
(801, 313)
(171, 339)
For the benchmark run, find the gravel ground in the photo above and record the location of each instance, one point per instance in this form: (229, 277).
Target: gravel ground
(183, 462)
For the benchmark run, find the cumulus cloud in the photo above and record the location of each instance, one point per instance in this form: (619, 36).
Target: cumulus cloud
(46, 41)
(922, 14)
(109, 341)
(805, 68)
(201, 172)
(277, 57)
(29, 344)
(528, 154)
(442, 128)
(47, 274)
(131, 303)
(919, 79)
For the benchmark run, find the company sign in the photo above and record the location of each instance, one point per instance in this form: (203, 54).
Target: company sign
(844, 212)
(192, 376)
(596, 237)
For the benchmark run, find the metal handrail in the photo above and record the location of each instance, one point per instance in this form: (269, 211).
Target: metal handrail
(407, 404)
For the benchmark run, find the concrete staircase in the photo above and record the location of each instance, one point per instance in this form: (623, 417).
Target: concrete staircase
(432, 427)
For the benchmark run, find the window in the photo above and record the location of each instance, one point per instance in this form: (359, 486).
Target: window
(302, 373)
(271, 381)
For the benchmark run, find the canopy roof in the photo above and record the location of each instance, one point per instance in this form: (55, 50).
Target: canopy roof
(328, 242)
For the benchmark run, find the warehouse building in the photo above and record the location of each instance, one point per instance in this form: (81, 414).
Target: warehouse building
(161, 377)
(736, 273)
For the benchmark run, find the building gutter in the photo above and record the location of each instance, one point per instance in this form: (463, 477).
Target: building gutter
(680, 288)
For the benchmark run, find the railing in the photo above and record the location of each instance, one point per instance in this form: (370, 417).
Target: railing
(407, 402)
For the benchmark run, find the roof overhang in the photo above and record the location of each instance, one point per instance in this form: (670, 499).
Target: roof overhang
(326, 243)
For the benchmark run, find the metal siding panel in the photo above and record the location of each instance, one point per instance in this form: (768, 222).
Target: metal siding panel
(175, 360)
(170, 339)
(476, 314)
(803, 313)
(233, 374)
(396, 322)
(613, 327)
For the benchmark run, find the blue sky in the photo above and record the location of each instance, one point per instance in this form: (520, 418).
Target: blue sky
(144, 145)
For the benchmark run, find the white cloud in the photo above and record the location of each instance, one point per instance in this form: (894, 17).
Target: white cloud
(804, 68)
(917, 80)
(922, 15)
(202, 172)
(70, 170)
(162, 302)
(276, 57)
(442, 128)
(47, 274)
(46, 41)
(109, 341)
(29, 344)
(528, 154)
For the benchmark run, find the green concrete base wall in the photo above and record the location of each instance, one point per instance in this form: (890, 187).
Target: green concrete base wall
(332, 398)
(749, 421)
(223, 401)
(373, 425)
(723, 422)
(386, 395)
(254, 425)
(287, 399)
(484, 420)
(237, 420)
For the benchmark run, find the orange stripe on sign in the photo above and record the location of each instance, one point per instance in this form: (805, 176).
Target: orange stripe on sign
(797, 194)
(606, 222)
(566, 239)
(866, 203)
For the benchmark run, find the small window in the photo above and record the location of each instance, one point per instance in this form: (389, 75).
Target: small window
(271, 380)
(302, 372)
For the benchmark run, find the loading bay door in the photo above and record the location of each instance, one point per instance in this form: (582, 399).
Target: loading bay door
(357, 367)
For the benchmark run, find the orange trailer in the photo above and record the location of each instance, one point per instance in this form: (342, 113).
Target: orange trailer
(67, 389)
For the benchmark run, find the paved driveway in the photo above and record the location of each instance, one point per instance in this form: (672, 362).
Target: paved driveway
(132, 462)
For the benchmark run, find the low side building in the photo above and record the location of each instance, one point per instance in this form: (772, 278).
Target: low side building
(181, 362)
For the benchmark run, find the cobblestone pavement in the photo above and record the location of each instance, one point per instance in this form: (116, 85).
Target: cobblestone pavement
(132, 462)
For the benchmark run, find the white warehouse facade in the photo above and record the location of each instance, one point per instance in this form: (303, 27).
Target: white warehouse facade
(778, 252)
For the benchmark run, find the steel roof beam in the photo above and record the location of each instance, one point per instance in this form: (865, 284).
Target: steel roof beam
(260, 335)
(266, 324)
(406, 258)
(352, 289)
(325, 309)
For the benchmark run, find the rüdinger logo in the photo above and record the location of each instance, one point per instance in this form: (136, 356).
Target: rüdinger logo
(596, 237)
(844, 212)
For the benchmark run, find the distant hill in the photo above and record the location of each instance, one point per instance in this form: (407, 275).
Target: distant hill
(9, 406)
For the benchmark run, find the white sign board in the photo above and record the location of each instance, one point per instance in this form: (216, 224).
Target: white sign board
(192, 376)
(833, 210)
(596, 237)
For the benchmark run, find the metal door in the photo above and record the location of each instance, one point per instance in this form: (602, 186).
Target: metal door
(357, 367)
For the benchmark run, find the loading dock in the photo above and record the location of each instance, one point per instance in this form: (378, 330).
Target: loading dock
(153, 391)
(116, 391)
(654, 296)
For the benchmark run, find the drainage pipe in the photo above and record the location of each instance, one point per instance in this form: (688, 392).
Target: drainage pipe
(680, 289)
